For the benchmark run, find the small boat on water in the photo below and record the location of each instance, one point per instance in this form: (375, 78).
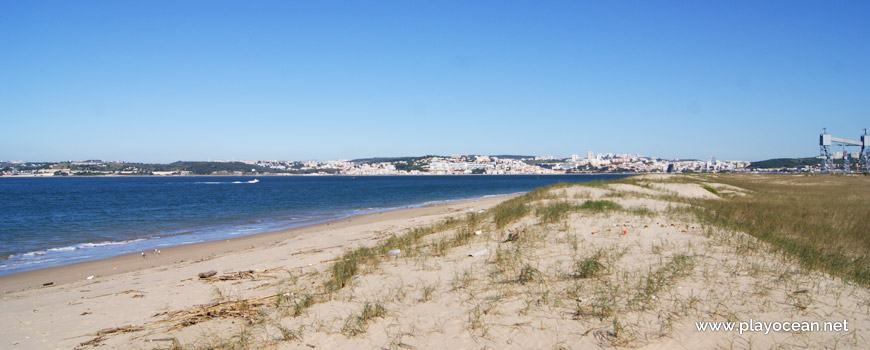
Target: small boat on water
(253, 181)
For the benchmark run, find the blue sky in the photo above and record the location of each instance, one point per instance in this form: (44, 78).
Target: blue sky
(306, 80)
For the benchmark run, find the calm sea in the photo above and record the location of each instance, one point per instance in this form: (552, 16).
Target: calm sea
(56, 221)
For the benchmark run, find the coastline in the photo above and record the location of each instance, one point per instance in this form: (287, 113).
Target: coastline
(455, 284)
(91, 236)
(283, 175)
(202, 251)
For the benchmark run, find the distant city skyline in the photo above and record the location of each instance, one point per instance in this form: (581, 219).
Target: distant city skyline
(431, 165)
(163, 81)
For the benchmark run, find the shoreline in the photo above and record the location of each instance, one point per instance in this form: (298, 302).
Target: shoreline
(306, 222)
(284, 175)
(33, 255)
(201, 251)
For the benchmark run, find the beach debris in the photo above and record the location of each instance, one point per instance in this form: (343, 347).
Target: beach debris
(479, 253)
(144, 256)
(207, 274)
(161, 339)
(227, 276)
(480, 211)
(624, 232)
(478, 233)
(47, 284)
(116, 293)
(512, 236)
(593, 232)
(101, 334)
(90, 277)
(394, 252)
(189, 317)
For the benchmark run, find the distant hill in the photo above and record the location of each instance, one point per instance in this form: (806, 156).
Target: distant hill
(786, 163)
(206, 168)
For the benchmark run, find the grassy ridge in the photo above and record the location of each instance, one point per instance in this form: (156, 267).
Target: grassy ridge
(824, 221)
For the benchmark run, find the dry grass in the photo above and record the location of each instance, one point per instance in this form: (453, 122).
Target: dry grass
(823, 221)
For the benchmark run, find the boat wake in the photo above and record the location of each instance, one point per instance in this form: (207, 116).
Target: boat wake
(226, 182)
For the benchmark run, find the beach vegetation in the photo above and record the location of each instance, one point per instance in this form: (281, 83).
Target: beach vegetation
(356, 324)
(558, 211)
(302, 303)
(588, 267)
(600, 205)
(819, 220)
(462, 280)
(516, 208)
(428, 291)
(656, 280)
(711, 190)
(555, 212)
(529, 274)
(642, 211)
(288, 334)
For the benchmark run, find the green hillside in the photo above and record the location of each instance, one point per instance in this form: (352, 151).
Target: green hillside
(789, 163)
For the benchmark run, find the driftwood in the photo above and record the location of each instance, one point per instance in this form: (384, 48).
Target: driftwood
(231, 276)
(237, 275)
(207, 274)
(246, 309)
(101, 334)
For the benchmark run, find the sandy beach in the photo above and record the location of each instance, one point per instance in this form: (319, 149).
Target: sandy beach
(625, 267)
(64, 313)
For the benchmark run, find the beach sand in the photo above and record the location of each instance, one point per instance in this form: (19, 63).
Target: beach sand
(129, 289)
(634, 278)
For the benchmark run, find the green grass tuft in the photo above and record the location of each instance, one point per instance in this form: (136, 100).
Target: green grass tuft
(711, 190)
(602, 205)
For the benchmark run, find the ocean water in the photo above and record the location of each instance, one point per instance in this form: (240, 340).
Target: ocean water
(56, 221)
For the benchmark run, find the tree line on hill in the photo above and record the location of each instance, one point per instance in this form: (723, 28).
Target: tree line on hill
(789, 163)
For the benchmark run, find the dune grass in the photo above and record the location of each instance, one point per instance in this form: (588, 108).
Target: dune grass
(558, 211)
(711, 190)
(823, 221)
(517, 208)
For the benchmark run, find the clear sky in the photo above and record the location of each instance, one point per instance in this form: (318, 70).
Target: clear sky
(158, 81)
